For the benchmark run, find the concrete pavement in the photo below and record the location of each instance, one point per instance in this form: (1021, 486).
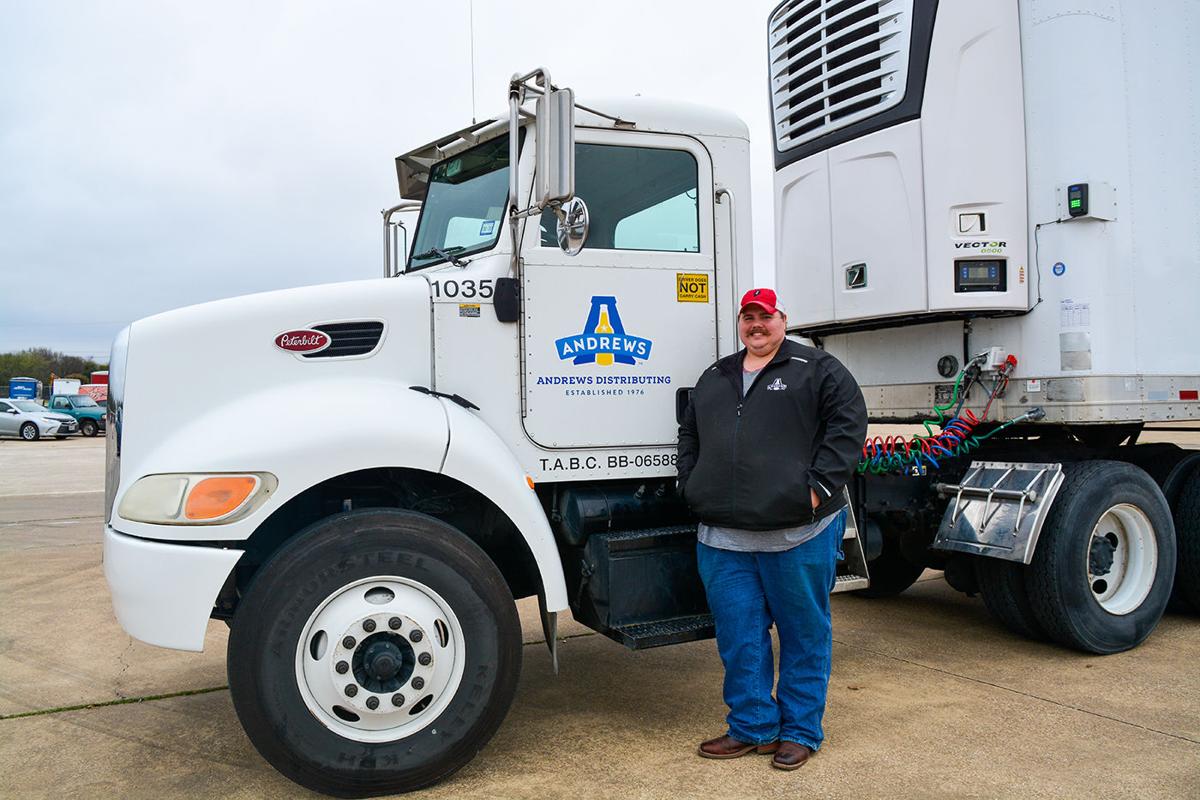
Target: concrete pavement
(929, 696)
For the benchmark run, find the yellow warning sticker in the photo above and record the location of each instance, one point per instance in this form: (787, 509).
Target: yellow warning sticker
(691, 288)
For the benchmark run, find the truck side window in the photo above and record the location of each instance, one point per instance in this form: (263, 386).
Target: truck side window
(639, 198)
(61, 402)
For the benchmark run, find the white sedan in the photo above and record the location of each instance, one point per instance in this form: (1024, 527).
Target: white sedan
(31, 421)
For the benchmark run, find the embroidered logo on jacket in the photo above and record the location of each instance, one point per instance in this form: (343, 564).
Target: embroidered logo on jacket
(777, 385)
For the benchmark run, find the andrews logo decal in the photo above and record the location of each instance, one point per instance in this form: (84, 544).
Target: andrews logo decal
(603, 340)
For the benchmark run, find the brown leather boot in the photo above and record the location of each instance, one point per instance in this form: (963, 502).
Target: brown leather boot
(791, 755)
(728, 747)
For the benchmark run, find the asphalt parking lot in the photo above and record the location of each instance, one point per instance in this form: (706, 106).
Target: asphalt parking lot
(929, 696)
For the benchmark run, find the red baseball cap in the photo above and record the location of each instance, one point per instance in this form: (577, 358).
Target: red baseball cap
(761, 297)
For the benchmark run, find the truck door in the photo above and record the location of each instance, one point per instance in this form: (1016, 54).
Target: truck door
(612, 334)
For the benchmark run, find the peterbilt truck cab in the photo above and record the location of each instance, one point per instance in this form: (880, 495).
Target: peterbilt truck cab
(573, 270)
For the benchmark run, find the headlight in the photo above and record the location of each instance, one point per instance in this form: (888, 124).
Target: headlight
(196, 499)
(52, 420)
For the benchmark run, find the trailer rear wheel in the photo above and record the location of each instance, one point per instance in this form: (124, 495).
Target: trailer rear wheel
(1002, 585)
(375, 653)
(1102, 572)
(1187, 534)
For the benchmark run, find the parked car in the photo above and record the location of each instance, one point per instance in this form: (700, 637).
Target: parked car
(83, 408)
(31, 421)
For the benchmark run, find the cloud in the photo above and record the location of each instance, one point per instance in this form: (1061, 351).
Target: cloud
(158, 155)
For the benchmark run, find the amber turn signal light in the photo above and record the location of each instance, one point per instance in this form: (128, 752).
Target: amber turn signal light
(215, 497)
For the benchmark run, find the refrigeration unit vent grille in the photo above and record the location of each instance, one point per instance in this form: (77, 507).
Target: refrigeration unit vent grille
(349, 338)
(835, 62)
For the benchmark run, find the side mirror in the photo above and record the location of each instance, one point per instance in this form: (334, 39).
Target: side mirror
(573, 225)
(555, 148)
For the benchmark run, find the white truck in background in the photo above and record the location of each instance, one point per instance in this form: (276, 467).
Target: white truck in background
(959, 218)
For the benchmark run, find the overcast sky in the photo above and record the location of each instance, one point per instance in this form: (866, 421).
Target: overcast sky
(155, 155)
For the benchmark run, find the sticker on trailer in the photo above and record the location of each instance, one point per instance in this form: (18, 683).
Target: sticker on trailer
(468, 309)
(1033, 386)
(691, 287)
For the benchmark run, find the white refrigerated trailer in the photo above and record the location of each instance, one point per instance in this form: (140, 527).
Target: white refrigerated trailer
(1006, 187)
(521, 369)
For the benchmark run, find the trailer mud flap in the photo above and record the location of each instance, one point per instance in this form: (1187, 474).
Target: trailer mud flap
(998, 509)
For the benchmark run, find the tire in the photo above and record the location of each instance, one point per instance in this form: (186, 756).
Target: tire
(1002, 586)
(285, 677)
(891, 573)
(89, 427)
(1187, 538)
(30, 432)
(1076, 602)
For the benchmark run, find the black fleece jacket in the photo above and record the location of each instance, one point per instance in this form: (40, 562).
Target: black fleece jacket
(749, 461)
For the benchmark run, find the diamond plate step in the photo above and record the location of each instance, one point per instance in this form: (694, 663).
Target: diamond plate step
(848, 583)
(668, 631)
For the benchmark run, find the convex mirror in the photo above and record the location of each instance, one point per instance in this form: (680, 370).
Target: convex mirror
(572, 226)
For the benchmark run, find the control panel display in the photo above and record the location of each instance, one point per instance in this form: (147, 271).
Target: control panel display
(980, 276)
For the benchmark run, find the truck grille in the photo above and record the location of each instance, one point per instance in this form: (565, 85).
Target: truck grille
(349, 338)
(835, 62)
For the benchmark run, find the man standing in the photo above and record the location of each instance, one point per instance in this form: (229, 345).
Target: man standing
(770, 438)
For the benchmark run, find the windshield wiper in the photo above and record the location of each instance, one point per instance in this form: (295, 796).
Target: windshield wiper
(445, 254)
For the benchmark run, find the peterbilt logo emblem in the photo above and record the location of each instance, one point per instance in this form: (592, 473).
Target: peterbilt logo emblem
(302, 341)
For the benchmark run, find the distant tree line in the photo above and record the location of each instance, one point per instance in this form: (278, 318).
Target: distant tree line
(42, 362)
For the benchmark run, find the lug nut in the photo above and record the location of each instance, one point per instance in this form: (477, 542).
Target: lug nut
(424, 659)
(397, 700)
(349, 642)
(394, 623)
(418, 683)
(351, 690)
(416, 636)
(368, 625)
(372, 703)
(342, 667)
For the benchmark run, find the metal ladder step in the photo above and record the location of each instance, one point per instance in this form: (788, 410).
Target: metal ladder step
(848, 583)
(640, 636)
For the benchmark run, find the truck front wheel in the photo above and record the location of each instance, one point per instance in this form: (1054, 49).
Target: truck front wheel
(376, 653)
(88, 427)
(1101, 576)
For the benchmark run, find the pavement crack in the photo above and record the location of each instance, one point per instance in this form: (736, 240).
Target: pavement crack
(124, 668)
(121, 702)
(1029, 695)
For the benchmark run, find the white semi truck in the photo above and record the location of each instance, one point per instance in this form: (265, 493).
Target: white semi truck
(981, 207)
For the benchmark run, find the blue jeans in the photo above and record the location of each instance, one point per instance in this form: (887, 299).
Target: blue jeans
(747, 592)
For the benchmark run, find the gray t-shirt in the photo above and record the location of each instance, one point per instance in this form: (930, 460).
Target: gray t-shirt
(772, 541)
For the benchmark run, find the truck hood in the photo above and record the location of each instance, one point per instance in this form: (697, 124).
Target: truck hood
(190, 367)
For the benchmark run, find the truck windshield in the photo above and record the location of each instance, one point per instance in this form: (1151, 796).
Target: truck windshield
(83, 401)
(463, 212)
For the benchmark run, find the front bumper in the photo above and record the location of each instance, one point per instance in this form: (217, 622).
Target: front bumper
(163, 592)
(58, 428)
